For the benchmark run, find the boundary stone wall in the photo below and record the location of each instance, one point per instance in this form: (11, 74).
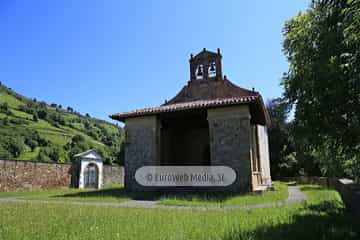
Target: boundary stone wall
(27, 175)
(322, 181)
(113, 174)
(350, 194)
(18, 175)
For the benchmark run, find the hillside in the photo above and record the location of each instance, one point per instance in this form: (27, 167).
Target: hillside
(32, 130)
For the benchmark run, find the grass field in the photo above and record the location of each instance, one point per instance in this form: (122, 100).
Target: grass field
(117, 194)
(279, 193)
(114, 193)
(321, 217)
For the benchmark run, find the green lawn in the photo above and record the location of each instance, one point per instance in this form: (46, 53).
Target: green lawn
(279, 193)
(114, 193)
(322, 217)
(117, 194)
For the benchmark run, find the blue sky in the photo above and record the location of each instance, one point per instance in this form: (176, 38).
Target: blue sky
(103, 57)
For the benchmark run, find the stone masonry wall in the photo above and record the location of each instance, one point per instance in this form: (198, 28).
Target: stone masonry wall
(142, 148)
(229, 130)
(17, 175)
(112, 174)
(230, 143)
(26, 175)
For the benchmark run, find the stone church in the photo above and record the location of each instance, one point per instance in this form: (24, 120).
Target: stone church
(210, 122)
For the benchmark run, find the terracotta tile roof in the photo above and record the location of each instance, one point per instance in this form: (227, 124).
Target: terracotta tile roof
(210, 90)
(185, 106)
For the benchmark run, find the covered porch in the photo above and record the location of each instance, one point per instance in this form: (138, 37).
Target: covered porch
(221, 136)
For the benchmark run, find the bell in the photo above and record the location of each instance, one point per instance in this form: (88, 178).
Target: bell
(212, 67)
(199, 72)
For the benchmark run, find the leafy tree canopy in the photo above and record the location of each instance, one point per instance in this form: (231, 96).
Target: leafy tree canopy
(323, 82)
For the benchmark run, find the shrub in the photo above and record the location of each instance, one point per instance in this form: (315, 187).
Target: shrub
(42, 114)
(57, 154)
(32, 144)
(35, 117)
(4, 108)
(26, 108)
(18, 121)
(43, 155)
(4, 153)
(16, 146)
(5, 121)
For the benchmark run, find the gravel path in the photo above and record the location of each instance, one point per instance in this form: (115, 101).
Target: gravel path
(295, 195)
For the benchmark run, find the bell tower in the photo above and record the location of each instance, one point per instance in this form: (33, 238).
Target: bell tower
(206, 66)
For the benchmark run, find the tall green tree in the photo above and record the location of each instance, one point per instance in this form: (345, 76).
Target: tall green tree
(282, 152)
(323, 83)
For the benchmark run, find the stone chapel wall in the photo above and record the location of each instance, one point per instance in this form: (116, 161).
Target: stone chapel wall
(230, 143)
(142, 148)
